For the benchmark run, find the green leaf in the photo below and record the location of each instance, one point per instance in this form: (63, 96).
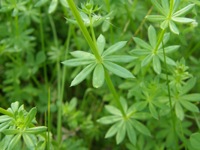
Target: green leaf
(121, 133)
(30, 116)
(158, 6)
(179, 111)
(140, 127)
(5, 112)
(173, 27)
(78, 62)
(64, 3)
(142, 43)
(189, 106)
(82, 54)
(171, 49)
(114, 48)
(52, 6)
(195, 140)
(164, 24)
(169, 61)
(165, 4)
(120, 58)
(153, 111)
(141, 52)
(188, 86)
(123, 102)
(98, 76)
(182, 20)
(40, 57)
(155, 18)
(118, 70)
(40, 3)
(11, 131)
(183, 10)
(83, 74)
(152, 36)
(113, 130)
(156, 64)
(15, 106)
(101, 43)
(36, 130)
(3, 126)
(109, 119)
(30, 143)
(147, 60)
(131, 133)
(113, 110)
(15, 140)
(195, 97)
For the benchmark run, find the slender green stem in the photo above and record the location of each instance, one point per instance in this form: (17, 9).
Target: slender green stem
(43, 48)
(66, 54)
(84, 30)
(171, 8)
(59, 100)
(113, 91)
(169, 92)
(49, 119)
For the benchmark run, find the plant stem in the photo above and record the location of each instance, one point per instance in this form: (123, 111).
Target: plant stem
(113, 91)
(49, 119)
(43, 48)
(84, 30)
(169, 93)
(59, 99)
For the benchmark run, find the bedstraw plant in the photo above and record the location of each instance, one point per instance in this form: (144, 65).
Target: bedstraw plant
(108, 74)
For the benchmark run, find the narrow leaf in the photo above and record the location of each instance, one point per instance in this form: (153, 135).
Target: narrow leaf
(77, 62)
(113, 130)
(155, 18)
(152, 36)
(184, 10)
(14, 141)
(114, 48)
(118, 70)
(189, 106)
(182, 20)
(83, 74)
(158, 6)
(173, 27)
(113, 110)
(194, 97)
(147, 60)
(30, 143)
(188, 86)
(121, 133)
(53, 6)
(179, 111)
(153, 111)
(156, 64)
(195, 140)
(109, 119)
(82, 54)
(30, 116)
(140, 127)
(120, 58)
(131, 133)
(101, 43)
(98, 76)
(142, 43)
(36, 130)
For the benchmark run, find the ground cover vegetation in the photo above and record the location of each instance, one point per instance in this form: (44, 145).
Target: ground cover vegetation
(109, 74)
